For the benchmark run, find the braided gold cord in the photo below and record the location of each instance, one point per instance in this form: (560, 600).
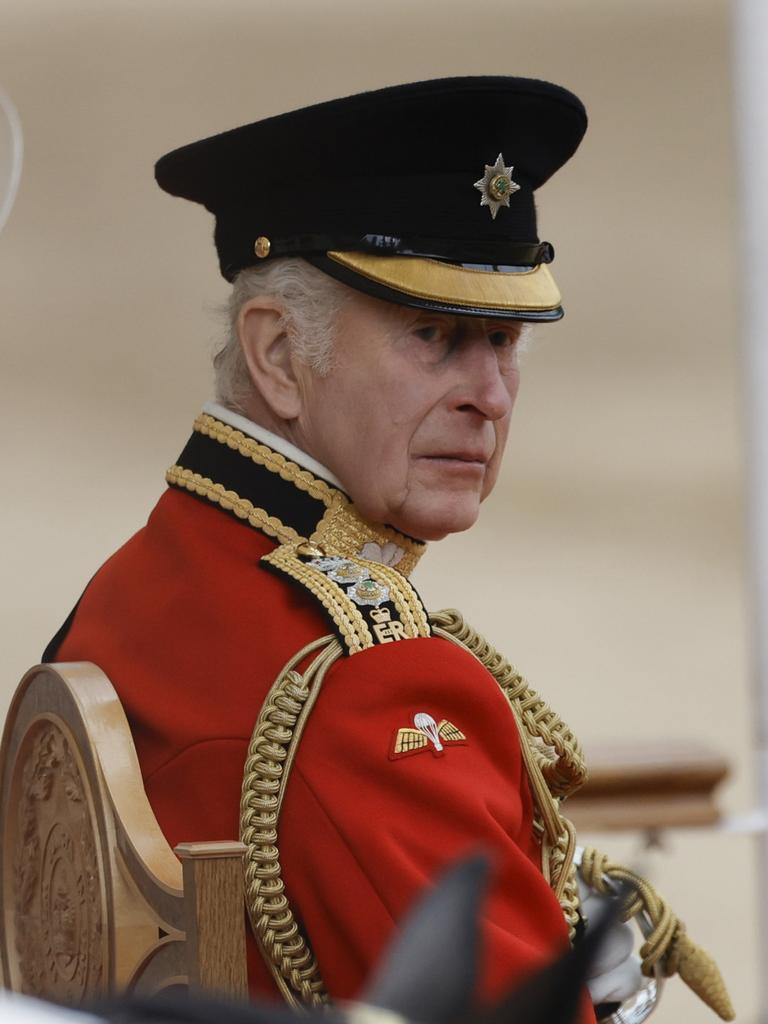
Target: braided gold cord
(551, 754)
(563, 876)
(231, 501)
(667, 942)
(262, 455)
(570, 903)
(267, 767)
(559, 870)
(566, 771)
(344, 612)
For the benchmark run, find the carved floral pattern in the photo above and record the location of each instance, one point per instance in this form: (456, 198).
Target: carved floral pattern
(58, 912)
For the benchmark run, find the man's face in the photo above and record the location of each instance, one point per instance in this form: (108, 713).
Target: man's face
(414, 415)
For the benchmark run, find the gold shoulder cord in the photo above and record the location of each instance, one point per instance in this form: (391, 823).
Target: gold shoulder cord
(555, 766)
(551, 753)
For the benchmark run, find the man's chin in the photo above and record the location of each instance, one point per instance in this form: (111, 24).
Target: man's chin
(435, 520)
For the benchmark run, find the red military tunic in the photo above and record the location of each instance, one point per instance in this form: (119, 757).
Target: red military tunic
(192, 628)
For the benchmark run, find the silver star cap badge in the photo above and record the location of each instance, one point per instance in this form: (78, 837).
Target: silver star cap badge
(496, 186)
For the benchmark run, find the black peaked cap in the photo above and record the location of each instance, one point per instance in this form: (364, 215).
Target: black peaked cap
(389, 173)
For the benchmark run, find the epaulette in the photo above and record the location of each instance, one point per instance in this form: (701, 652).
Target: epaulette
(367, 602)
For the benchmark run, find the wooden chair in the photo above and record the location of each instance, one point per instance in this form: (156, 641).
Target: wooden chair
(92, 898)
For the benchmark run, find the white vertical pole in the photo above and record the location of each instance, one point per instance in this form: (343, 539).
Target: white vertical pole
(751, 97)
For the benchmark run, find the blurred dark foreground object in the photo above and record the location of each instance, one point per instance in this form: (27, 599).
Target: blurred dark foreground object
(427, 976)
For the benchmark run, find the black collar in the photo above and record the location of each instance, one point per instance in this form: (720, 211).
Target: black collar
(263, 488)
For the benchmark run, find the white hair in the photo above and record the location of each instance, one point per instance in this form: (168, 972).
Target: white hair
(525, 340)
(311, 300)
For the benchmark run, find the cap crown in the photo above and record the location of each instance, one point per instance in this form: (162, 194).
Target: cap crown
(398, 163)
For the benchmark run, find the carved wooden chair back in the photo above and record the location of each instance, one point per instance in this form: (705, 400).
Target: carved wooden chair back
(92, 898)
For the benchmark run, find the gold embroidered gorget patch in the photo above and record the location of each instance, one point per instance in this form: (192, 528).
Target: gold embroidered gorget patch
(368, 603)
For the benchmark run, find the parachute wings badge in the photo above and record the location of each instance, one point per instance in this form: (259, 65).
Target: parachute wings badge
(426, 734)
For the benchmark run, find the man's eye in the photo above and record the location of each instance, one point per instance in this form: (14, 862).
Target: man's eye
(431, 332)
(502, 339)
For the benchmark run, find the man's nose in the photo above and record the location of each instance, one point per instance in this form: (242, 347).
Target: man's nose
(484, 387)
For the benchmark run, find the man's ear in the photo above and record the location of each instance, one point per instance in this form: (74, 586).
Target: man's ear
(267, 352)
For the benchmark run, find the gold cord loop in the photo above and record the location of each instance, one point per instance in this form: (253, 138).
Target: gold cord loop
(551, 754)
(667, 942)
(555, 747)
(271, 753)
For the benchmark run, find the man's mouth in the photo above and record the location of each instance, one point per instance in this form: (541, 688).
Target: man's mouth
(463, 458)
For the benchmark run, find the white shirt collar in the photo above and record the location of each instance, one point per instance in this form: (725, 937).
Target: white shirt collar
(278, 444)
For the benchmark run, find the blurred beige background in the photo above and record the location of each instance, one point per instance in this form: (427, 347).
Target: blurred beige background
(610, 562)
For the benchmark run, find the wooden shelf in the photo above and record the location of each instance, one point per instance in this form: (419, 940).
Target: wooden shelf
(648, 786)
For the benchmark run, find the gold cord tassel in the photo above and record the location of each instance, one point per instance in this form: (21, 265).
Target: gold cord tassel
(667, 944)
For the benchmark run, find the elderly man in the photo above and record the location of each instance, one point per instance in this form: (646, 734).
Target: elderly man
(385, 263)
